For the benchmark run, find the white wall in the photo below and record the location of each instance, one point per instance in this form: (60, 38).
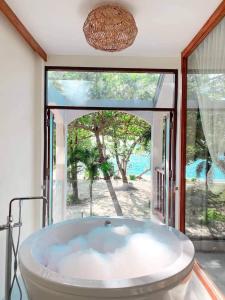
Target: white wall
(20, 130)
(130, 62)
(114, 61)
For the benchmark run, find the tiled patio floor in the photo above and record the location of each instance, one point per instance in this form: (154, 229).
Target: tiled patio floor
(214, 265)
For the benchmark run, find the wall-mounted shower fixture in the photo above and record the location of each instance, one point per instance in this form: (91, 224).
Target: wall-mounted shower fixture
(12, 247)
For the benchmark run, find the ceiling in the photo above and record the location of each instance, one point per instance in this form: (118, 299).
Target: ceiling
(165, 26)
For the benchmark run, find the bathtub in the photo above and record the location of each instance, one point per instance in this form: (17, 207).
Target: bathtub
(42, 283)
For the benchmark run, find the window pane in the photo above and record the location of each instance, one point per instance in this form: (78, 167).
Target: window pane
(110, 89)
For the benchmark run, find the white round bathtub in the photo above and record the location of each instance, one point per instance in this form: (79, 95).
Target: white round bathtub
(169, 283)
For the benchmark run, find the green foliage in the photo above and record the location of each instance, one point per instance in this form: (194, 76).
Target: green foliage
(107, 167)
(117, 134)
(196, 143)
(132, 177)
(121, 135)
(211, 86)
(77, 141)
(146, 139)
(90, 159)
(204, 207)
(126, 133)
(70, 200)
(212, 215)
(110, 85)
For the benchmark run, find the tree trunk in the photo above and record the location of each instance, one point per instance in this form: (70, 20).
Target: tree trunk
(123, 170)
(124, 176)
(115, 201)
(75, 185)
(122, 165)
(103, 145)
(144, 172)
(91, 197)
(107, 178)
(75, 179)
(206, 189)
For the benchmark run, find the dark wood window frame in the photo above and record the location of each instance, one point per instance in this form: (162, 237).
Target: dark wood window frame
(95, 69)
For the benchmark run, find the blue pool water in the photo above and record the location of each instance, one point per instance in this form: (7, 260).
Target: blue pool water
(140, 162)
(191, 172)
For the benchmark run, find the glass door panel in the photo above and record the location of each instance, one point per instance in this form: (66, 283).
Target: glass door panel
(127, 148)
(205, 152)
(169, 217)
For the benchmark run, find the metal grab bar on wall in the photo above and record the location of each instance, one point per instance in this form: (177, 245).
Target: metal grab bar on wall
(12, 248)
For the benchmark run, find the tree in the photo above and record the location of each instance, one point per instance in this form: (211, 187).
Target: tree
(96, 124)
(77, 141)
(197, 149)
(196, 143)
(209, 87)
(125, 133)
(92, 168)
(90, 158)
(109, 85)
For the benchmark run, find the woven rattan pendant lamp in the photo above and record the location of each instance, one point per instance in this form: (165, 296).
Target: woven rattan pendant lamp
(110, 28)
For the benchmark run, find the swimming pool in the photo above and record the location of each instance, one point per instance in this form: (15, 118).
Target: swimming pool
(191, 172)
(140, 162)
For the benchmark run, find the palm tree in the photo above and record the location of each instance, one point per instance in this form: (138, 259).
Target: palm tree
(93, 165)
(201, 166)
(91, 161)
(73, 160)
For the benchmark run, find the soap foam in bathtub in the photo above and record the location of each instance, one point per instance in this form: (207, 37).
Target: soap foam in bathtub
(55, 253)
(108, 253)
(88, 264)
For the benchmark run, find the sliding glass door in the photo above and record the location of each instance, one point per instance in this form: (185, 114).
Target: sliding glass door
(205, 152)
(203, 179)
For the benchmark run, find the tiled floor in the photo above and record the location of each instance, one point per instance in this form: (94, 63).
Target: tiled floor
(15, 292)
(214, 265)
(196, 291)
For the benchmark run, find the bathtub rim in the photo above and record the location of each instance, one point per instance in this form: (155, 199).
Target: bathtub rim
(165, 279)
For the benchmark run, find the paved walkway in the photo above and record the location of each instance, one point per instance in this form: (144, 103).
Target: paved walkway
(135, 199)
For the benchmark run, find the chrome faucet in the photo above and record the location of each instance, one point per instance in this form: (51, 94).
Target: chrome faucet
(12, 248)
